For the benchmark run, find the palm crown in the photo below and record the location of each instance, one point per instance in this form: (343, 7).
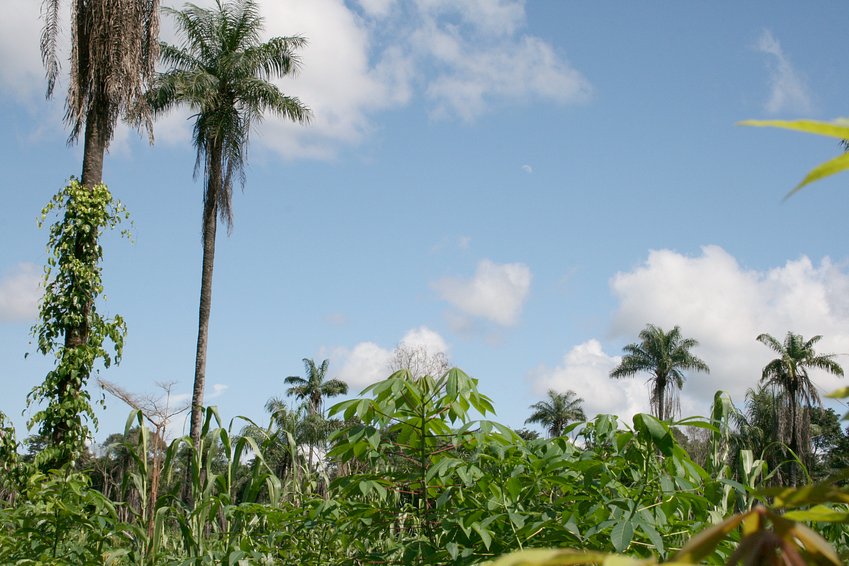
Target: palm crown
(314, 388)
(795, 393)
(222, 71)
(665, 356)
(557, 412)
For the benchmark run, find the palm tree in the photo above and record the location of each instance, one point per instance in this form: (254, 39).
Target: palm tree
(221, 71)
(787, 376)
(665, 356)
(114, 48)
(315, 387)
(557, 412)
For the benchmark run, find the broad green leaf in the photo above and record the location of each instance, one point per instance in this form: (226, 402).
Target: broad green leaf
(484, 533)
(658, 432)
(621, 535)
(652, 535)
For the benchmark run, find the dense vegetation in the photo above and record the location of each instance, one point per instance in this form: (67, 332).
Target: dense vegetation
(410, 472)
(405, 474)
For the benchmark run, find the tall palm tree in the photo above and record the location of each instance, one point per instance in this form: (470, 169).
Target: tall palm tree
(557, 412)
(221, 71)
(114, 48)
(665, 356)
(788, 376)
(315, 387)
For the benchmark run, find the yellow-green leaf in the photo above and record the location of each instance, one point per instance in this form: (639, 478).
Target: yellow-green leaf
(823, 170)
(838, 129)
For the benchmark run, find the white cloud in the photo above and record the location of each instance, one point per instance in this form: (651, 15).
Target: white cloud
(365, 363)
(788, 89)
(464, 57)
(585, 370)
(424, 337)
(21, 73)
(497, 292)
(368, 362)
(475, 74)
(490, 17)
(722, 305)
(20, 290)
(377, 8)
(527, 169)
(218, 390)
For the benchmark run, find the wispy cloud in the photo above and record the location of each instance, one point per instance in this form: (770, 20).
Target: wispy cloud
(496, 292)
(789, 90)
(20, 289)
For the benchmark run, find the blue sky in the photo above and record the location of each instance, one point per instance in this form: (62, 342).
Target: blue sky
(523, 185)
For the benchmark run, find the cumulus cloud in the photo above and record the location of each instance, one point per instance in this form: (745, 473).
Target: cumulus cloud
(20, 289)
(462, 57)
(21, 73)
(497, 292)
(585, 370)
(725, 307)
(788, 89)
(368, 362)
(722, 305)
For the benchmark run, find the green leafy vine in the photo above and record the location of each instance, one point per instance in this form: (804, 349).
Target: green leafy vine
(69, 324)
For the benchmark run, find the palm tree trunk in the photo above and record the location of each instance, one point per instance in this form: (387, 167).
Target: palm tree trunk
(210, 224)
(660, 384)
(210, 217)
(794, 435)
(94, 148)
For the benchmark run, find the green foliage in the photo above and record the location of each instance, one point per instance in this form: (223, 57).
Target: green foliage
(448, 489)
(837, 129)
(70, 327)
(418, 479)
(57, 519)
